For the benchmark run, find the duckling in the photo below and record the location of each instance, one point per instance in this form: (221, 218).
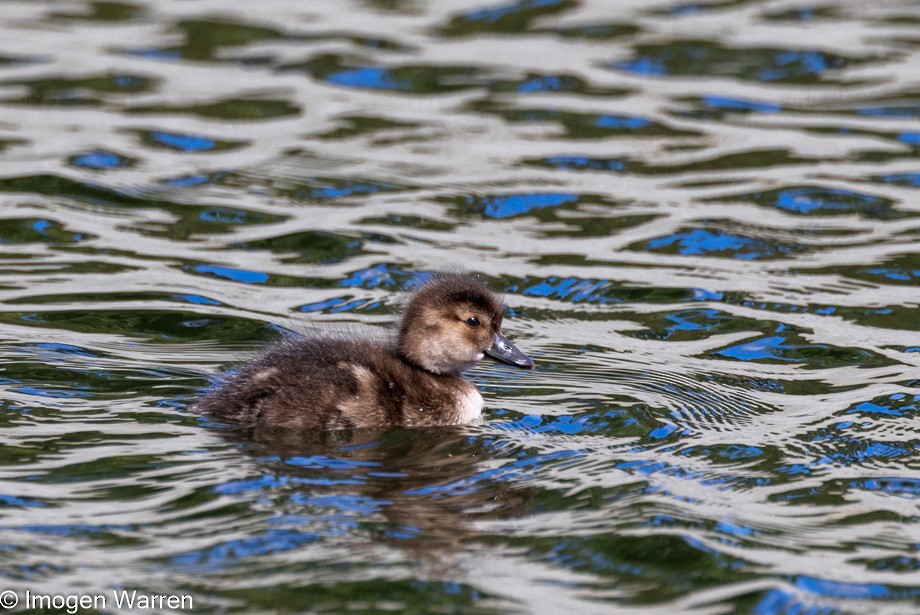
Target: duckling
(334, 382)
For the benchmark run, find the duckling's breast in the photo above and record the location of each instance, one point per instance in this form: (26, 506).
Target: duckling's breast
(470, 405)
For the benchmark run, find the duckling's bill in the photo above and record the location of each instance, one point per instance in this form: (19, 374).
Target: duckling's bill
(505, 352)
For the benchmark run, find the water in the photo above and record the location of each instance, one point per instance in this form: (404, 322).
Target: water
(704, 217)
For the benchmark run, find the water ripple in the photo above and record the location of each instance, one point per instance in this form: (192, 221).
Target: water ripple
(703, 218)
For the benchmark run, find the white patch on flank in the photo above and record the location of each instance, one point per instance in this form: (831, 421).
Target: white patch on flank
(360, 408)
(265, 374)
(469, 405)
(363, 374)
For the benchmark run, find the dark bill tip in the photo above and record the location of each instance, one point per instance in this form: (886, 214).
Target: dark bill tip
(505, 352)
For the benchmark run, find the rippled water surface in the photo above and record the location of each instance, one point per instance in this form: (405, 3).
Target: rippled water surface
(705, 220)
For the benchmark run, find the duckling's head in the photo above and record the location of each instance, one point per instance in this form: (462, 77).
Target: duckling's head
(451, 322)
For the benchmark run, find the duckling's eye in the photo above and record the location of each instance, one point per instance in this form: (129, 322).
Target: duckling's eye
(473, 322)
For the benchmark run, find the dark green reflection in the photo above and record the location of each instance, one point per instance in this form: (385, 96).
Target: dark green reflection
(357, 125)
(583, 125)
(149, 324)
(322, 189)
(86, 91)
(708, 59)
(235, 109)
(750, 159)
(536, 83)
(307, 247)
(410, 79)
(811, 13)
(188, 220)
(903, 270)
(54, 185)
(652, 568)
(821, 200)
(36, 230)
(598, 30)
(77, 268)
(109, 297)
(512, 18)
(104, 11)
(204, 220)
(203, 38)
(416, 222)
(598, 226)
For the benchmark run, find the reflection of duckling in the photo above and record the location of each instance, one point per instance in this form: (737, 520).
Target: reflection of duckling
(428, 492)
(341, 383)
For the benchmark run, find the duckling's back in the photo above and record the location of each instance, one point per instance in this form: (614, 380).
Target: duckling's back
(332, 383)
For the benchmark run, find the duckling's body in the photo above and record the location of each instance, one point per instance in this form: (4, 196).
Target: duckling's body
(334, 382)
(337, 383)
